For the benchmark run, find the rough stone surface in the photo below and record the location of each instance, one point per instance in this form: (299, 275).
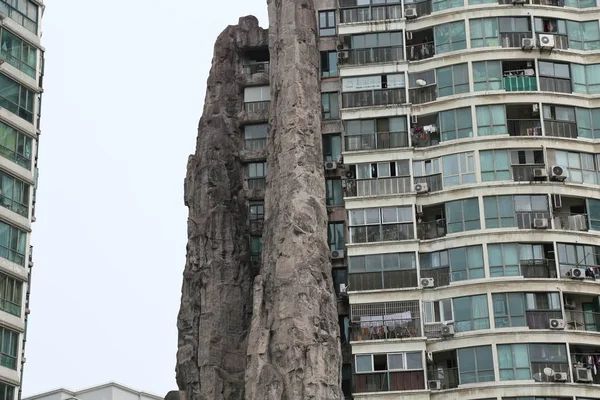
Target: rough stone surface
(293, 347)
(216, 301)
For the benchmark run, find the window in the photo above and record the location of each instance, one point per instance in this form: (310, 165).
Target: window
(388, 362)
(330, 105)
(7, 392)
(491, 120)
(332, 147)
(449, 37)
(499, 212)
(487, 75)
(586, 78)
(495, 165)
(256, 212)
(471, 313)
(550, 25)
(463, 215)
(16, 98)
(580, 3)
(509, 309)
(256, 174)
(382, 271)
(466, 263)
(593, 206)
(584, 35)
(458, 169)
(8, 348)
(329, 64)
(326, 23)
(456, 124)
(15, 146)
(588, 122)
(438, 311)
(12, 243)
(475, 364)
(576, 255)
(335, 236)
(14, 194)
(23, 12)
(255, 136)
(11, 295)
(373, 40)
(333, 191)
(504, 259)
(515, 24)
(484, 32)
(256, 245)
(542, 301)
(513, 362)
(453, 80)
(555, 77)
(257, 94)
(439, 5)
(18, 53)
(582, 167)
(385, 224)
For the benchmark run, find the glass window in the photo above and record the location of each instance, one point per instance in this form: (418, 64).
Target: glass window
(582, 167)
(484, 32)
(18, 53)
(257, 170)
(332, 147)
(11, 295)
(458, 169)
(452, 80)
(504, 259)
(12, 243)
(575, 255)
(15, 146)
(335, 236)
(14, 194)
(514, 24)
(333, 192)
(16, 98)
(583, 35)
(475, 364)
(499, 212)
(491, 120)
(23, 12)
(513, 362)
(456, 124)
(588, 123)
(466, 263)
(586, 78)
(495, 165)
(471, 313)
(330, 105)
(487, 75)
(257, 93)
(462, 215)
(7, 392)
(9, 345)
(327, 23)
(451, 36)
(509, 310)
(364, 363)
(329, 64)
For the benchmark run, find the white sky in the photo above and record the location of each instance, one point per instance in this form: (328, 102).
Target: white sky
(124, 88)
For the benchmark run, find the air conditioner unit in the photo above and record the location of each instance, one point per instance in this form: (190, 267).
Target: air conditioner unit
(330, 165)
(557, 201)
(410, 13)
(337, 254)
(343, 288)
(578, 273)
(540, 173)
(558, 324)
(540, 223)
(434, 385)
(421, 188)
(546, 41)
(561, 376)
(340, 46)
(558, 173)
(583, 375)
(427, 282)
(447, 330)
(349, 174)
(419, 208)
(527, 43)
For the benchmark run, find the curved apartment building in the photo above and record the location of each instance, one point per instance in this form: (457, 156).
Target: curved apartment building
(462, 150)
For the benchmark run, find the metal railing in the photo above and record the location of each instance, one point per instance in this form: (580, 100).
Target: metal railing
(423, 94)
(372, 55)
(524, 127)
(257, 68)
(537, 370)
(434, 182)
(519, 83)
(558, 85)
(441, 276)
(525, 219)
(381, 233)
(586, 361)
(388, 329)
(561, 42)
(538, 268)
(370, 13)
(583, 320)
(15, 206)
(561, 129)
(17, 16)
(370, 98)
(255, 144)
(448, 377)
(540, 319)
(389, 381)
(555, 3)
(422, 7)
(571, 222)
(432, 229)
(376, 141)
(421, 51)
(524, 173)
(396, 279)
(257, 106)
(378, 186)
(514, 39)
(256, 183)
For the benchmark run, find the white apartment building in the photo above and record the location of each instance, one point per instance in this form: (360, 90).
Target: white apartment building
(108, 391)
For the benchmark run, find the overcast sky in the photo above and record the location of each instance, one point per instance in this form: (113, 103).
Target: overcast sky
(124, 88)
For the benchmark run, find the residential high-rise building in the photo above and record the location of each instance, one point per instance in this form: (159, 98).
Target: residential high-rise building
(21, 78)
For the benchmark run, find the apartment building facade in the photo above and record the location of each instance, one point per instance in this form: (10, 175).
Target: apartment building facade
(21, 81)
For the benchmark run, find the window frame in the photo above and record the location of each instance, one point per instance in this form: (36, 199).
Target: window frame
(325, 26)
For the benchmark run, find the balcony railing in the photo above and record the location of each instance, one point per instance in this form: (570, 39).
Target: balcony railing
(432, 229)
(561, 129)
(369, 98)
(540, 268)
(434, 182)
(257, 106)
(388, 329)
(423, 94)
(372, 55)
(376, 141)
(537, 370)
(19, 208)
(381, 233)
(586, 361)
(421, 51)
(514, 39)
(378, 186)
(525, 219)
(422, 7)
(520, 83)
(524, 127)
(555, 3)
(448, 377)
(441, 276)
(386, 381)
(370, 13)
(524, 173)
(558, 85)
(257, 68)
(571, 222)
(583, 321)
(255, 144)
(256, 183)
(561, 42)
(540, 319)
(396, 279)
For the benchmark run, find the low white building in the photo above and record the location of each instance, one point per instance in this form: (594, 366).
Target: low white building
(108, 391)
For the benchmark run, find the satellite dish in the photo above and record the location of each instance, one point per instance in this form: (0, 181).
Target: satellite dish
(421, 82)
(548, 371)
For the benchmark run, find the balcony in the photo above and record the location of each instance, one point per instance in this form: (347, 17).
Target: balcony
(422, 7)
(381, 233)
(385, 330)
(256, 226)
(561, 42)
(423, 94)
(585, 362)
(378, 186)
(255, 144)
(389, 381)
(256, 183)
(431, 229)
(525, 219)
(527, 173)
(558, 85)
(538, 268)
(376, 141)
(372, 55)
(571, 222)
(583, 320)
(370, 98)
(555, 3)
(514, 39)
(434, 182)
(387, 279)
(540, 319)
(441, 276)
(448, 377)
(353, 14)
(538, 374)
(524, 127)
(19, 208)
(520, 83)
(417, 52)
(257, 106)
(564, 129)
(256, 68)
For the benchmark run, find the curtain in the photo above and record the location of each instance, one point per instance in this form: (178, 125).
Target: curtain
(480, 312)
